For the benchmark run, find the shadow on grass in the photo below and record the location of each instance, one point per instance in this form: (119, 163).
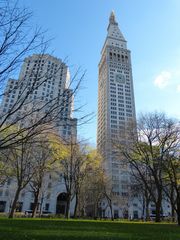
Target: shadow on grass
(36, 229)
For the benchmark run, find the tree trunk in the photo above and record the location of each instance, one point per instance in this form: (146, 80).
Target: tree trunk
(82, 211)
(172, 201)
(158, 210)
(68, 206)
(178, 209)
(95, 209)
(41, 205)
(158, 204)
(178, 217)
(110, 206)
(147, 218)
(147, 211)
(172, 213)
(35, 204)
(76, 206)
(13, 207)
(112, 217)
(143, 209)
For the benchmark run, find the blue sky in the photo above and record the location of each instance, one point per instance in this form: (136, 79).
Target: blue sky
(152, 30)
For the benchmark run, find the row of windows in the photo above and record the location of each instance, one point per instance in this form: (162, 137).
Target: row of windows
(113, 89)
(122, 116)
(118, 126)
(120, 101)
(118, 55)
(121, 107)
(41, 61)
(120, 93)
(120, 66)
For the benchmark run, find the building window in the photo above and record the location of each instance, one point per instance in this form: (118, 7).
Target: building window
(2, 206)
(47, 207)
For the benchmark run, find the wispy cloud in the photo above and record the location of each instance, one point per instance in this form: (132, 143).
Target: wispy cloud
(163, 79)
(178, 88)
(168, 78)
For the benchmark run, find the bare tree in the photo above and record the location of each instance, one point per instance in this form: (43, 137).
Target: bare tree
(154, 137)
(43, 163)
(70, 167)
(80, 171)
(48, 151)
(87, 160)
(18, 40)
(108, 194)
(111, 198)
(139, 191)
(93, 193)
(21, 163)
(172, 180)
(67, 168)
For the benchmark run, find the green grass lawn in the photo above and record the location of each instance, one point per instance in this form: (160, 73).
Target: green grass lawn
(37, 229)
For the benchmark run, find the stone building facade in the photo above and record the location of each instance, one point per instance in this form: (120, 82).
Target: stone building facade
(52, 77)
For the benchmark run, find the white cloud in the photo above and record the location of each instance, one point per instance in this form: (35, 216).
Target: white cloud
(163, 79)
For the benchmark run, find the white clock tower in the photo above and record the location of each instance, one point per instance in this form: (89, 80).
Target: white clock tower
(116, 106)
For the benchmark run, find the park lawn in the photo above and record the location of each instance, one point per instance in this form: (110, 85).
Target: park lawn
(43, 229)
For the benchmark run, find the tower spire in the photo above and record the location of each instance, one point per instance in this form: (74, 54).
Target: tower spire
(112, 18)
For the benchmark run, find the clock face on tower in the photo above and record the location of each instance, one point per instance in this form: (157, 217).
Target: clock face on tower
(120, 78)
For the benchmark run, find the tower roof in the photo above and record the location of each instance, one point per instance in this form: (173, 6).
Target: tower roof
(113, 28)
(114, 36)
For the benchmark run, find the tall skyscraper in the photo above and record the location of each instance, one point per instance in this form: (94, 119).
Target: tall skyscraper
(50, 78)
(116, 106)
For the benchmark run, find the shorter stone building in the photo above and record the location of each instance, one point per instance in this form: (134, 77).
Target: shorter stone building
(52, 199)
(46, 82)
